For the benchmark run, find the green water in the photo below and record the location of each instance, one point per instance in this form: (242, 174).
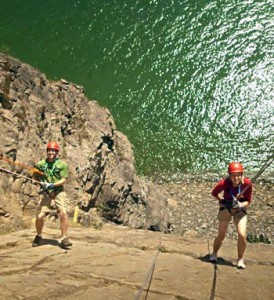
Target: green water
(189, 82)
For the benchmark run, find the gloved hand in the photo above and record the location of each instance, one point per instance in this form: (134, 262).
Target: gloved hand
(237, 204)
(48, 186)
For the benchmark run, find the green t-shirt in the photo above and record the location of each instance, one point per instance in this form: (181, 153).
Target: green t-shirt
(54, 171)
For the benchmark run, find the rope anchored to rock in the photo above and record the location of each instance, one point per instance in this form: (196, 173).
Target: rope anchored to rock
(32, 170)
(22, 176)
(268, 162)
(149, 276)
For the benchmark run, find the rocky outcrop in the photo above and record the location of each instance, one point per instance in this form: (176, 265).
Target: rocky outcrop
(34, 110)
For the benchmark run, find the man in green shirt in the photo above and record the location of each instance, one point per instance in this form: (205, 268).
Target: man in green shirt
(55, 176)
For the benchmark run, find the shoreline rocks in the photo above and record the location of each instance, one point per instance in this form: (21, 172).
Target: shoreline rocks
(192, 208)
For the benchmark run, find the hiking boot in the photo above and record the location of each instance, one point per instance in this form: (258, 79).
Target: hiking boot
(241, 264)
(37, 240)
(65, 243)
(213, 258)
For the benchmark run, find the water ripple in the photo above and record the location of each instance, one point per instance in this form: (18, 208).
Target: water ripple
(189, 82)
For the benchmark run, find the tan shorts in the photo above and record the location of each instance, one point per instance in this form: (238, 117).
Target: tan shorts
(225, 216)
(48, 201)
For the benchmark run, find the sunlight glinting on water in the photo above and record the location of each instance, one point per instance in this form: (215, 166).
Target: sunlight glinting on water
(189, 82)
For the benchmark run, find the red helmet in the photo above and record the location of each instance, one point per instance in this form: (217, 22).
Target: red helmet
(53, 145)
(235, 167)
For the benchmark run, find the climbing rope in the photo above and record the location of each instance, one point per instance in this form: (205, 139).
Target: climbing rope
(21, 176)
(259, 173)
(11, 162)
(263, 168)
(268, 162)
(211, 225)
(149, 276)
(213, 288)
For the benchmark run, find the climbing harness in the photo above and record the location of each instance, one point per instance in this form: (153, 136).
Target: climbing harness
(238, 192)
(52, 169)
(230, 204)
(11, 162)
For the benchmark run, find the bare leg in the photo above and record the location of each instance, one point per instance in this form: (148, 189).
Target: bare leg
(39, 223)
(241, 228)
(222, 229)
(63, 222)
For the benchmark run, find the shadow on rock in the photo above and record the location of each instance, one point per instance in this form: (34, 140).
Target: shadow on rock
(49, 242)
(220, 261)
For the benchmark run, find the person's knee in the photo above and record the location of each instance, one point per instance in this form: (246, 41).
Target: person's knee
(241, 228)
(40, 216)
(63, 214)
(242, 236)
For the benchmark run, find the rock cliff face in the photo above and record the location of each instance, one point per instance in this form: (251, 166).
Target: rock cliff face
(34, 110)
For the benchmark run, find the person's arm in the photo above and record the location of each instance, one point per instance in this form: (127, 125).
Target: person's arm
(63, 174)
(244, 204)
(217, 190)
(60, 182)
(40, 175)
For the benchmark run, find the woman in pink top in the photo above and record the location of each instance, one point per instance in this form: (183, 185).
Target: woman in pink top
(237, 191)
